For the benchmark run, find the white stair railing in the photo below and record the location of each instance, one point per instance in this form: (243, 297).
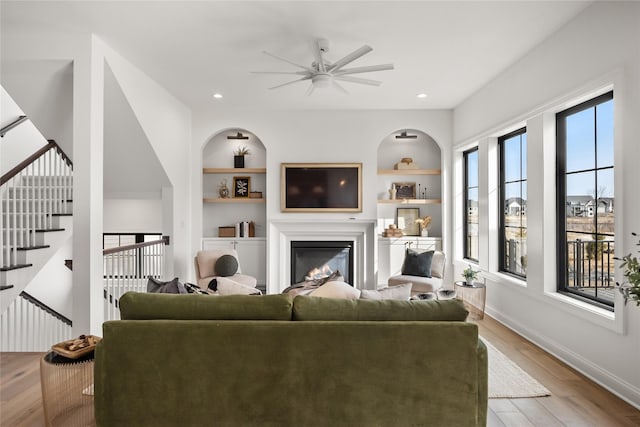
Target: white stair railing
(127, 268)
(33, 194)
(29, 325)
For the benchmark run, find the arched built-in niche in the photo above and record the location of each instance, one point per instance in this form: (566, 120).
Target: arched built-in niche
(218, 166)
(426, 155)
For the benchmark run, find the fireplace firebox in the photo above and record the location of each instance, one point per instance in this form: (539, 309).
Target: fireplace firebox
(316, 259)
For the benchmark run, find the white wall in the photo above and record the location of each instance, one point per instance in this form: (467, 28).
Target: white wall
(598, 48)
(132, 216)
(315, 136)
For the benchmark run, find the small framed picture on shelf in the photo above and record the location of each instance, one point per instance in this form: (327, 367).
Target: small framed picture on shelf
(405, 190)
(241, 186)
(406, 220)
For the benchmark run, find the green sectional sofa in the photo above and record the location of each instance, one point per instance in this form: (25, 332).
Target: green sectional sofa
(199, 360)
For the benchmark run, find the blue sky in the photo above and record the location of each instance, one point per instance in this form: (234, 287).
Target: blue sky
(581, 136)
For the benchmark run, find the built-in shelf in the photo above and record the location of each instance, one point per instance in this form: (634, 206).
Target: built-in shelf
(234, 170)
(410, 201)
(409, 171)
(232, 200)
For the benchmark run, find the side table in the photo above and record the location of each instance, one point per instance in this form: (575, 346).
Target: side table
(67, 390)
(473, 296)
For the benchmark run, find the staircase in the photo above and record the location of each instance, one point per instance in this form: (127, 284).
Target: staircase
(36, 207)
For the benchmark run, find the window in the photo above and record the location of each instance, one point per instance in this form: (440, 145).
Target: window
(585, 200)
(513, 203)
(471, 204)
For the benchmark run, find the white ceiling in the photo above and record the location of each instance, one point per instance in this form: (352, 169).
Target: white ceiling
(445, 49)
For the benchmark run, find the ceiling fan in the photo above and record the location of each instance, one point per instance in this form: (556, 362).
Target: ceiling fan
(323, 73)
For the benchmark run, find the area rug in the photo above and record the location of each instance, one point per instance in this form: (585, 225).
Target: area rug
(507, 380)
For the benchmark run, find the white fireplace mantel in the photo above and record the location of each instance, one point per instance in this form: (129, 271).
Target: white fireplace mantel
(282, 232)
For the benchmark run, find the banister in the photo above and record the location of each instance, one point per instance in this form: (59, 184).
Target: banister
(26, 162)
(46, 308)
(11, 125)
(130, 247)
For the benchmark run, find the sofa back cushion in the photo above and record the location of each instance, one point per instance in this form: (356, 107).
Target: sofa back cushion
(142, 306)
(315, 308)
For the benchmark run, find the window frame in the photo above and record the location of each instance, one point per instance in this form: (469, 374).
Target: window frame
(502, 176)
(465, 180)
(561, 196)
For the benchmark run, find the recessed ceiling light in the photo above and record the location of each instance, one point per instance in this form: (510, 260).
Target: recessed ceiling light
(217, 95)
(422, 95)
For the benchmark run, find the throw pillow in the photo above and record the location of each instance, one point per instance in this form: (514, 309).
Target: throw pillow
(303, 288)
(417, 264)
(226, 265)
(402, 292)
(336, 289)
(170, 287)
(226, 286)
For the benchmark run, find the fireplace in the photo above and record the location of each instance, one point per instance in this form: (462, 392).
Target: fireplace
(312, 259)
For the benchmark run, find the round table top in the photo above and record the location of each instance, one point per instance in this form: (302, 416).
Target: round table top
(464, 284)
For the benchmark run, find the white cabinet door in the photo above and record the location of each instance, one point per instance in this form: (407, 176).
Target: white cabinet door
(252, 254)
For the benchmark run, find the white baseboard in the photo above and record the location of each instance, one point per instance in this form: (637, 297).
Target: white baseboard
(625, 391)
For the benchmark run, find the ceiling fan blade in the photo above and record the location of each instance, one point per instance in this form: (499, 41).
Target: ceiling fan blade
(366, 69)
(290, 62)
(310, 90)
(291, 82)
(340, 88)
(317, 54)
(350, 58)
(299, 73)
(358, 80)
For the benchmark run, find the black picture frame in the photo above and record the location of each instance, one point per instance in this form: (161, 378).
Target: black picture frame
(241, 187)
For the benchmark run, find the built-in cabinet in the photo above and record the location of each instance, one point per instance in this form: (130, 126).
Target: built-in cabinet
(391, 252)
(250, 250)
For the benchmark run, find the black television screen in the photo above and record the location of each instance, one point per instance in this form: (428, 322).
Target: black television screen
(321, 187)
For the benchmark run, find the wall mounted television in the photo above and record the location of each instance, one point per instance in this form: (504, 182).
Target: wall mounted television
(321, 187)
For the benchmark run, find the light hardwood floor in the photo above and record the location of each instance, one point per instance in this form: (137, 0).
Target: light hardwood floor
(574, 400)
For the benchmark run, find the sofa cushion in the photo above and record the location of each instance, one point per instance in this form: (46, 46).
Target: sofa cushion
(401, 292)
(171, 287)
(336, 289)
(226, 265)
(417, 264)
(313, 308)
(144, 306)
(420, 284)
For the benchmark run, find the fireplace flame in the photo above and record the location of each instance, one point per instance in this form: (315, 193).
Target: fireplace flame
(318, 273)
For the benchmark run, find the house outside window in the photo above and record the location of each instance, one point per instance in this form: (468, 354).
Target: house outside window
(470, 224)
(585, 186)
(513, 203)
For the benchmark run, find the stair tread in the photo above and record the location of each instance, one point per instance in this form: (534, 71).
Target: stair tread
(46, 230)
(28, 248)
(15, 267)
(3, 287)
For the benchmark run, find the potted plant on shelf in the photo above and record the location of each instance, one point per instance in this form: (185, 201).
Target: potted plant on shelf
(238, 156)
(469, 275)
(630, 289)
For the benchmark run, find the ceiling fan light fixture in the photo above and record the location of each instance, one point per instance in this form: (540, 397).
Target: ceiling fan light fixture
(238, 135)
(405, 135)
(322, 80)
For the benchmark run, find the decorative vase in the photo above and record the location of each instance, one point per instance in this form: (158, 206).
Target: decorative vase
(223, 190)
(393, 192)
(238, 161)
(424, 232)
